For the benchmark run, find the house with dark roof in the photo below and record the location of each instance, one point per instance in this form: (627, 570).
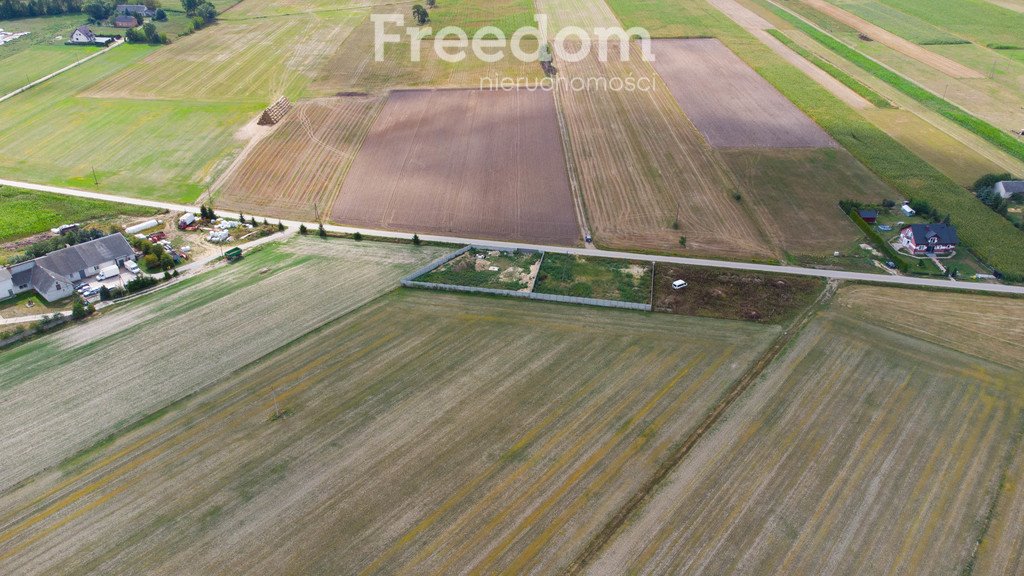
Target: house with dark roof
(54, 274)
(869, 216)
(1008, 188)
(139, 10)
(922, 239)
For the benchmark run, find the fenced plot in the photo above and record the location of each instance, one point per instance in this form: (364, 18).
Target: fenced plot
(472, 163)
(731, 105)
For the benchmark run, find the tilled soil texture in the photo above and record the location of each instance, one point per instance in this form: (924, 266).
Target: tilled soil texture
(471, 163)
(731, 105)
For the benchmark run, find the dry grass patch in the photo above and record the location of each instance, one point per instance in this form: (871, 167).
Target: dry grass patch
(424, 433)
(794, 195)
(988, 327)
(298, 169)
(472, 163)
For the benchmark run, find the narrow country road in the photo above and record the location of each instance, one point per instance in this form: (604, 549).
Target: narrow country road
(750, 266)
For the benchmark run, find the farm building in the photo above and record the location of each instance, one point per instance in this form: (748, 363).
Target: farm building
(139, 10)
(869, 216)
(83, 36)
(937, 239)
(1008, 188)
(52, 275)
(125, 21)
(275, 112)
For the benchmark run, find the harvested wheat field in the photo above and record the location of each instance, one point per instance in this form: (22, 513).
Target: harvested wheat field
(473, 163)
(646, 175)
(988, 327)
(425, 432)
(729, 102)
(859, 451)
(297, 170)
(62, 393)
(258, 59)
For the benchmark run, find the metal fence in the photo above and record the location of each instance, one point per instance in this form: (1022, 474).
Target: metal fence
(410, 282)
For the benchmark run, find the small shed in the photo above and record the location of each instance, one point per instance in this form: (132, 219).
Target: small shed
(907, 210)
(869, 216)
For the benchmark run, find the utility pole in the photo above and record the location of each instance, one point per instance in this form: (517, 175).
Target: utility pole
(95, 180)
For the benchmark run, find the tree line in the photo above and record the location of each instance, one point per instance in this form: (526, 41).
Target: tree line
(11, 9)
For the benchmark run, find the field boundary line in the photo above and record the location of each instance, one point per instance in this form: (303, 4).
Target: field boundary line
(570, 169)
(672, 461)
(900, 281)
(61, 71)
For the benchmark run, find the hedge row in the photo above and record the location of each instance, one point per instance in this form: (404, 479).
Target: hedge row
(849, 81)
(880, 242)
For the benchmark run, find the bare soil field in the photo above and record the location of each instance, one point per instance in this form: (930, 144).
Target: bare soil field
(480, 164)
(730, 103)
(988, 327)
(794, 195)
(645, 174)
(859, 451)
(298, 168)
(62, 393)
(420, 434)
(733, 295)
(945, 65)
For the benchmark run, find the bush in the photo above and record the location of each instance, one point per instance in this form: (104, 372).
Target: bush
(416, 239)
(303, 230)
(105, 293)
(151, 262)
(321, 232)
(78, 310)
(357, 236)
(140, 283)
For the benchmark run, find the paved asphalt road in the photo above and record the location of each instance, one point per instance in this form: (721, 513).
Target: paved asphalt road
(832, 274)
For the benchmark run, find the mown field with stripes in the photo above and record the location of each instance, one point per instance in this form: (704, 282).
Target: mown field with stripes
(423, 433)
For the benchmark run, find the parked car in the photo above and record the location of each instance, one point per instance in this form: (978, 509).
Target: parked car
(679, 284)
(890, 264)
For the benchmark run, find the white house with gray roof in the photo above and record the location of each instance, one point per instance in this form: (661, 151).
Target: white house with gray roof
(54, 274)
(1008, 188)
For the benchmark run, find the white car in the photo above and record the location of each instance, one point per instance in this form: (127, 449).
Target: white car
(679, 284)
(131, 267)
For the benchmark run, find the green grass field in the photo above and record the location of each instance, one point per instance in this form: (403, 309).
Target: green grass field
(27, 212)
(158, 149)
(902, 23)
(600, 278)
(977, 20)
(991, 236)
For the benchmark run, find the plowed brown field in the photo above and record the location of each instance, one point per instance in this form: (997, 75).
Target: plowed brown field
(729, 103)
(297, 170)
(480, 164)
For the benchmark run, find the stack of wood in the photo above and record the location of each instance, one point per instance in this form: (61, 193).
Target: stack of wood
(275, 112)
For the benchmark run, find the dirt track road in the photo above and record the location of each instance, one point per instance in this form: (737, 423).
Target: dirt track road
(796, 270)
